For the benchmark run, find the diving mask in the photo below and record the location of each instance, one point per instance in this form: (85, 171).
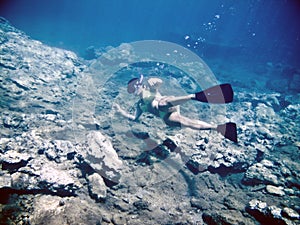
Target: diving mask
(138, 84)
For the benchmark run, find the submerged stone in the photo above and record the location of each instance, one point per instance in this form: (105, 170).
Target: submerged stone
(97, 187)
(275, 190)
(290, 213)
(102, 157)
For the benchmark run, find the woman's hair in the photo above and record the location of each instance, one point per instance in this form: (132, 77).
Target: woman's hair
(131, 85)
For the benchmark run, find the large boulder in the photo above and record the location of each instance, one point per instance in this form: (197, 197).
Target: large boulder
(100, 155)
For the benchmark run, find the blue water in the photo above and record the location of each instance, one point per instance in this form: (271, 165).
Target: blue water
(262, 30)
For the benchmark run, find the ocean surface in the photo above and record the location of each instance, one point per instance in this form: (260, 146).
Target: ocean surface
(256, 30)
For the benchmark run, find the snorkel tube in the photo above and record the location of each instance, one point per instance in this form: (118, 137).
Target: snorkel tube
(138, 84)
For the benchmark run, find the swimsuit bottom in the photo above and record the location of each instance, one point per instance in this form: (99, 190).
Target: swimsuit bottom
(169, 122)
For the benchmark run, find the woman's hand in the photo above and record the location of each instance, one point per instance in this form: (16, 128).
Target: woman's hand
(116, 106)
(121, 111)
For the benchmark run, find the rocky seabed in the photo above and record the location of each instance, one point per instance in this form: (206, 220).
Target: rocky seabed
(61, 163)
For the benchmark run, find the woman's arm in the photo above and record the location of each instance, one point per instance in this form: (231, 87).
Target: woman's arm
(134, 117)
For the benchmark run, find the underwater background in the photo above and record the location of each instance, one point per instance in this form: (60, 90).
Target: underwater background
(256, 30)
(67, 156)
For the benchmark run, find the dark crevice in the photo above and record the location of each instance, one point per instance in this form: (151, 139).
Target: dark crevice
(13, 167)
(7, 66)
(223, 171)
(5, 193)
(265, 218)
(20, 85)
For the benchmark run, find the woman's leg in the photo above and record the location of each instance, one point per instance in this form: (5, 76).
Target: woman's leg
(171, 101)
(176, 118)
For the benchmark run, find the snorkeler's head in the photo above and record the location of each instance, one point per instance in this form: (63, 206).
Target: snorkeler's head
(131, 85)
(134, 84)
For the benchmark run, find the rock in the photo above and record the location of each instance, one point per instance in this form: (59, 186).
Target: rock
(261, 173)
(46, 177)
(234, 201)
(201, 144)
(221, 160)
(3, 143)
(292, 111)
(13, 160)
(60, 150)
(122, 205)
(290, 214)
(47, 210)
(275, 212)
(102, 157)
(230, 217)
(13, 121)
(52, 155)
(275, 190)
(31, 172)
(5, 180)
(256, 204)
(57, 180)
(265, 113)
(289, 191)
(197, 164)
(265, 133)
(22, 181)
(119, 219)
(200, 203)
(264, 213)
(97, 187)
(141, 205)
(267, 163)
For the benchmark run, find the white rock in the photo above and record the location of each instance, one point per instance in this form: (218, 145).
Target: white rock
(262, 205)
(257, 204)
(97, 186)
(290, 213)
(219, 156)
(275, 190)
(260, 174)
(5, 181)
(275, 211)
(102, 157)
(267, 163)
(13, 157)
(4, 141)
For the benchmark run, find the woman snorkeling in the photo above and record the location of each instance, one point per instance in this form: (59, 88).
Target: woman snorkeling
(168, 107)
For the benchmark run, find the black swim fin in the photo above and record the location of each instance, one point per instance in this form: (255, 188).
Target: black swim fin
(228, 130)
(218, 94)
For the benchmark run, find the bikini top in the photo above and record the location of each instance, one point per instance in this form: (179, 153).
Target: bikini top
(145, 104)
